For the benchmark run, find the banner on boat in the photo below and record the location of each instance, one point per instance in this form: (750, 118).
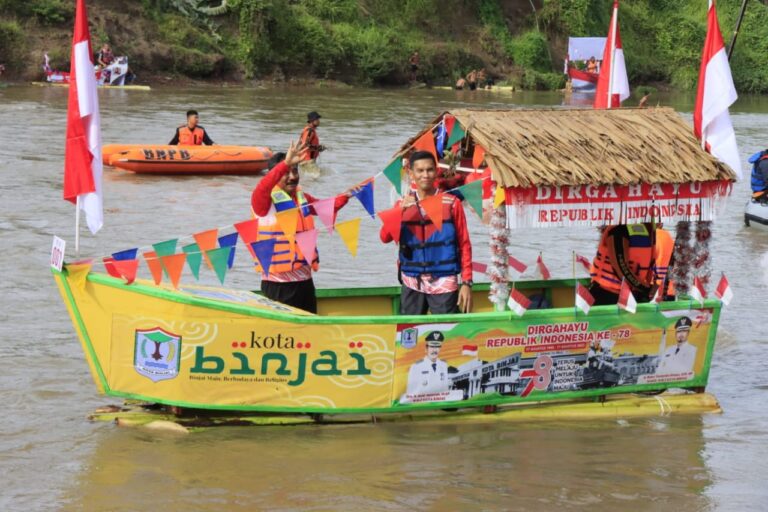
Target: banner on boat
(599, 205)
(483, 361)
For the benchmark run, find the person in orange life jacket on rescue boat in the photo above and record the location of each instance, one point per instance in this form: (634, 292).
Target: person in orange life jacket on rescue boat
(639, 254)
(431, 260)
(289, 277)
(191, 134)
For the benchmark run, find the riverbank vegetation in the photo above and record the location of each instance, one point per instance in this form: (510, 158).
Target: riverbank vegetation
(521, 42)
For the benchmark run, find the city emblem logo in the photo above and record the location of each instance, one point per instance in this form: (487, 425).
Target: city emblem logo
(157, 354)
(409, 337)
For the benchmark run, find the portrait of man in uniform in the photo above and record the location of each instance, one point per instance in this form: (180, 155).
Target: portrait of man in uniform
(429, 375)
(680, 357)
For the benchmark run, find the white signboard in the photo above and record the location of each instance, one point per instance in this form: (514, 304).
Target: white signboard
(57, 253)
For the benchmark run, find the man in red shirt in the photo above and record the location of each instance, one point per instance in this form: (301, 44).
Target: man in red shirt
(288, 279)
(431, 260)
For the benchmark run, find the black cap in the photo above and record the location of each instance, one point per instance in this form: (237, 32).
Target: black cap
(313, 116)
(683, 324)
(435, 339)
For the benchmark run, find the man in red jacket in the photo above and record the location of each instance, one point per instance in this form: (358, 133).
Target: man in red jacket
(288, 279)
(432, 260)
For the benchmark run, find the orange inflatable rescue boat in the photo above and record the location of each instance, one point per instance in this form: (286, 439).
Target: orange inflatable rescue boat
(165, 159)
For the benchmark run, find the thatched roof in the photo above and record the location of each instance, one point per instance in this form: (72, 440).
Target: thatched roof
(583, 146)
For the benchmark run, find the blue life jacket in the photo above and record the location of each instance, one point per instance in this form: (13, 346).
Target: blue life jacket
(438, 254)
(758, 182)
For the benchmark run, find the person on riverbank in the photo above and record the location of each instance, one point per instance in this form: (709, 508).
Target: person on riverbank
(472, 80)
(414, 62)
(625, 253)
(431, 260)
(288, 279)
(191, 134)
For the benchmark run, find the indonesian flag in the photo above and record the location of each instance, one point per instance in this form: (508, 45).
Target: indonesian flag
(723, 291)
(698, 292)
(711, 121)
(82, 154)
(518, 302)
(613, 84)
(584, 299)
(627, 301)
(518, 265)
(657, 297)
(480, 268)
(469, 350)
(584, 262)
(543, 270)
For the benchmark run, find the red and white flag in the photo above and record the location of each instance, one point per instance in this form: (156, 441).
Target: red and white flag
(469, 350)
(584, 299)
(612, 84)
(480, 268)
(543, 270)
(723, 291)
(711, 120)
(583, 261)
(657, 297)
(82, 154)
(698, 292)
(518, 302)
(518, 265)
(627, 301)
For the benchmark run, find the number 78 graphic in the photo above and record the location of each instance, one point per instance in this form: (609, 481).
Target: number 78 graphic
(540, 375)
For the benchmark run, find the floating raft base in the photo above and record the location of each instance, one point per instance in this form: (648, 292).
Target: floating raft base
(140, 414)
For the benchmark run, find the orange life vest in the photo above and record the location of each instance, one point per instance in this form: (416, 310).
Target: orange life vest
(665, 246)
(310, 138)
(637, 254)
(287, 256)
(189, 137)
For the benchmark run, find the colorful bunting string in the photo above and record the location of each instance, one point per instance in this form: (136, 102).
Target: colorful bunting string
(326, 210)
(249, 233)
(173, 265)
(219, 259)
(307, 242)
(433, 206)
(264, 250)
(349, 231)
(155, 267)
(394, 173)
(365, 195)
(229, 241)
(206, 240)
(391, 219)
(194, 258)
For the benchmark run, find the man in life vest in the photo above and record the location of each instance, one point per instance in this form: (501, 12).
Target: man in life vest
(191, 134)
(663, 262)
(310, 139)
(289, 276)
(625, 253)
(431, 260)
(759, 182)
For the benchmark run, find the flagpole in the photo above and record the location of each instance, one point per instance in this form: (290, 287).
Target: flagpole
(614, 22)
(77, 227)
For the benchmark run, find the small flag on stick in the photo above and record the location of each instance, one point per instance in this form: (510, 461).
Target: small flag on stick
(627, 301)
(723, 291)
(543, 270)
(584, 299)
(698, 293)
(518, 265)
(518, 302)
(584, 262)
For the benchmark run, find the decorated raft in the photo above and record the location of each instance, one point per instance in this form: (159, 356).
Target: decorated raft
(165, 159)
(210, 348)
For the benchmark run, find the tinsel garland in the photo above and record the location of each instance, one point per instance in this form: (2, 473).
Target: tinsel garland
(498, 270)
(683, 257)
(702, 267)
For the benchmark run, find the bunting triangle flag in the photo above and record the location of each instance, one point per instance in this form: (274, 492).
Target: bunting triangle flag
(249, 233)
(219, 259)
(109, 266)
(206, 240)
(165, 248)
(473, 193)
(229, 240)
(127, 269)
(128, 254)
(325, 210)
(426, 143)
(394, 173)
(173, 265)
(457, 133)
(478, 157)
(365, 195)
(307, 242)
(349, 231)
(498, 196)
(392, 219)
(264, 250)
(288, 220)
(194, 258)
(433, 206)
(153, 262)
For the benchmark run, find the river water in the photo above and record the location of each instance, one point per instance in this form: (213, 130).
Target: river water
(52, 458)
